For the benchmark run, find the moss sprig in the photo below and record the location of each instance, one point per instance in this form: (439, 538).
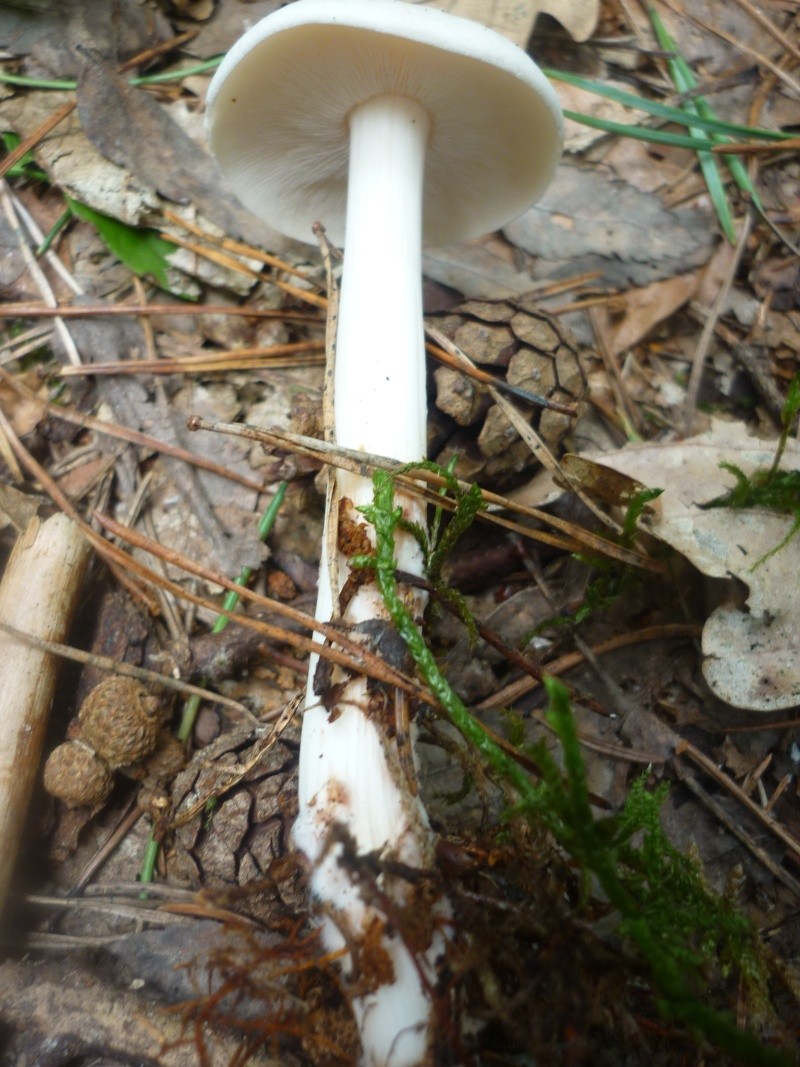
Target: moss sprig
(678, 926)
(778, 490)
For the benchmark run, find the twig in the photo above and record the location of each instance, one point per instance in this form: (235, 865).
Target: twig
(36, 273)
(752, 148)
(767, 24)
(128, 670)
(446, 353)
(134, 437)
(153, 52)
(354, 657)
(222, 259)
(239, 247)
(362, 463)
(105, 851)
(510, 693)
(37, 235)
(240, 771)
(534, 442)
(626, 407)
(718, 307)
(737, 42)
(85, 311)
(40, 591)
(686, 748)
(719, 813)
(223, 360)
(329, 563)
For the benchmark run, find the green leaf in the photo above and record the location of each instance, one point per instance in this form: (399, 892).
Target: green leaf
(25, 167)
(144, 250)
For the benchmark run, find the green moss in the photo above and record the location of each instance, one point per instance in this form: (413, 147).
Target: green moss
(681, 931)
(778, 490)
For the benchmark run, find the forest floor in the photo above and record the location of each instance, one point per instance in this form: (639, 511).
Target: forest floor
(649, 910)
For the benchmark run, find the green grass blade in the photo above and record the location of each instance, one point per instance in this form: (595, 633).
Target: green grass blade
(709, 123)
(35, 83)
(734, 163)
(176, 75)
(143, 79)
(640, 133)
(684, 80)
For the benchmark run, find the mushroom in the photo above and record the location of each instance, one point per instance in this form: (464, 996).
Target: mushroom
(392, 124)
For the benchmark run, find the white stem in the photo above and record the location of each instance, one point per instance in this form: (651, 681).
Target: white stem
(380, 368)
(350, 771)
(380, 399)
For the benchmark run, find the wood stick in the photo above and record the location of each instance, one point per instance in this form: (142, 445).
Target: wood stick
(38, 594)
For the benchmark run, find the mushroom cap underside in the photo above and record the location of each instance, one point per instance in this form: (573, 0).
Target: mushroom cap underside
(279, 104)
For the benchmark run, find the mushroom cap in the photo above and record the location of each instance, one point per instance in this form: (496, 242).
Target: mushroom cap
(279, 103)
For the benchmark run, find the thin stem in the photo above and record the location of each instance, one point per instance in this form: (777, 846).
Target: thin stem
(380, 366)
(350, 771)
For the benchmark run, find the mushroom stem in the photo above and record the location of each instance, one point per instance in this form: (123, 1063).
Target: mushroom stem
(351, 774)
(380, 363)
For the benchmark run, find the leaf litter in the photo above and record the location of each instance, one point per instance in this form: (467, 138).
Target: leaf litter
(627, 232)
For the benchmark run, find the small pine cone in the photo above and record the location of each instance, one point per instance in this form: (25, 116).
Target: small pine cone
(538, 355)
(76, 775)
(120, 721)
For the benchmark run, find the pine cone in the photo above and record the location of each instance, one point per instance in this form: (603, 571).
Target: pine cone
(120, 721)
(535, 352)
(76, 775)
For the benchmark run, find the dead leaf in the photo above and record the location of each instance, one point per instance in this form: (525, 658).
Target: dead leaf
(644, 308)
(577, 137)
(132, 130)
(477, 271)
(43, 1015)
(601, 483)
(50, 32)
(515, 18)
(750, 650)
(16, 508)
(22, 412)
(21, 29)
(230, 21)
(589, 221)
(74, 163)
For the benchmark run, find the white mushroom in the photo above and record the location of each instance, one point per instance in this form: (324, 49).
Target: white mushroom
(393, 125)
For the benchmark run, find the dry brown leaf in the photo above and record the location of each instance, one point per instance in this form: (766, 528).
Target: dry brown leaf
(610, 487)
(477, 271)
(515, 18)
(16, 508)
(644, 308)
(133, 131)
(750, 651)
(577, 137)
